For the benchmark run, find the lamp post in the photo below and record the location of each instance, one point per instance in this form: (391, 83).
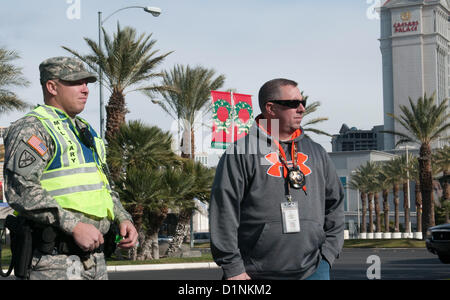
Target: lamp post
(409, 192)
(155, 11)
(408, 229)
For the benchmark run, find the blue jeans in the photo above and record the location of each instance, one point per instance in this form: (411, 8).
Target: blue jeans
(322, 272)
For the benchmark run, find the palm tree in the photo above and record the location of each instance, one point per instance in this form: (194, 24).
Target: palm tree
(200, 189)
(10, 76)
(141, 194)
(370, 169)
(424, 123)
(360, 181)
(384, 185)
(142, 153)
(191, 87)
(393, 173)
(137, 144)
(442, 162)
(414, 174)
(128, 61)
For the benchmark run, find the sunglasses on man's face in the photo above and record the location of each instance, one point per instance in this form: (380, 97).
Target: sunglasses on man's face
(290, 103)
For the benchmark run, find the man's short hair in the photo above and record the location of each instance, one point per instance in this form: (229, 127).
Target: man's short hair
(271, 91)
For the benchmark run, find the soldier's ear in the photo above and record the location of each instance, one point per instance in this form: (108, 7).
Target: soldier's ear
(270, 109)
(51, 87)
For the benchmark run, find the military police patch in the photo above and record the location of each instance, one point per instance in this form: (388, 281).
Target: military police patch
(26, 159)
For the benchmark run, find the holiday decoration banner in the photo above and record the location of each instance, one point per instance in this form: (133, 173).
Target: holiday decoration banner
(232, 118)
(222, 119)
(243, 115)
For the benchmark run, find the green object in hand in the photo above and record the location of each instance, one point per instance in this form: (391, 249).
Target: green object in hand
(118, 238)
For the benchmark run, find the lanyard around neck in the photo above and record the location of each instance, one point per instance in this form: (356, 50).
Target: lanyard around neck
(281, 153)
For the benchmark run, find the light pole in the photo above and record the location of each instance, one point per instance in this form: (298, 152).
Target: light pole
(155, 11)
(407, 187)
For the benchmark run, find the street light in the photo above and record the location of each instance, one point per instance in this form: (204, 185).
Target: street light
(407, 186)
(155, 11)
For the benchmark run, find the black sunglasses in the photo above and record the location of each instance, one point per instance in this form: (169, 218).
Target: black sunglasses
(290, 103)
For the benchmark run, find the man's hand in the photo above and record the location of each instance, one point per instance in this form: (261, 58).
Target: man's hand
(87, 236)
(243, 276)
(128, 231)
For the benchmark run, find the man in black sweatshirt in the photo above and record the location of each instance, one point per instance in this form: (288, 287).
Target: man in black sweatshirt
(276, 208)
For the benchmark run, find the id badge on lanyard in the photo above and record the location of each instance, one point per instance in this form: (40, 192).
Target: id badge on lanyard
(290, 216)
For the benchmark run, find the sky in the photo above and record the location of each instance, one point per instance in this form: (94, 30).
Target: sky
(330, 48)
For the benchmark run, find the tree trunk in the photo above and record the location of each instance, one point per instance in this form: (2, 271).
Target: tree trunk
(363, 211)
(406, 206)
(188, 148)
(180, 232)
(396, 208)
(115, 117)
(145, 248)
(192, 143)
(137, 252)
(137, 212)
(370, 200)
(418, 206)
(377, 212)
(386, 210)
(115, 114)
(446, 196)
(446, 186)
(426, 181)
(154, 244)
(150, 247)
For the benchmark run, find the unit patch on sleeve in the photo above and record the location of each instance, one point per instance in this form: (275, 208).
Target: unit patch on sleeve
(26, 159)
(37, 145)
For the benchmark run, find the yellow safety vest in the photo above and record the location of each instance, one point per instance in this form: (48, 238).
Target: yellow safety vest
(74, 176)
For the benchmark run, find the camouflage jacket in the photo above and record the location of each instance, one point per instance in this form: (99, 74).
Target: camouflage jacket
(22, 173)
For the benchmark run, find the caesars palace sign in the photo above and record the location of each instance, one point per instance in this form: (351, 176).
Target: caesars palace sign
(406, 25)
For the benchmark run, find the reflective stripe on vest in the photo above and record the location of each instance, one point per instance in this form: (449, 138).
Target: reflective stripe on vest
(74, 177)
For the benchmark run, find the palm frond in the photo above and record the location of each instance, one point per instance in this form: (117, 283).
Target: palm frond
(10, 76)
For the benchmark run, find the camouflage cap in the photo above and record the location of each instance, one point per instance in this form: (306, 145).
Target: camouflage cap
(65, 68)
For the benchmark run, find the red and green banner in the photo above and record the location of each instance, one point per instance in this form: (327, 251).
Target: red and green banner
(222, 119)
(231, 119)
(243, 115)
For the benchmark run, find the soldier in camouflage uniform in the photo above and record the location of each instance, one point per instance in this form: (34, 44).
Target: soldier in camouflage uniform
(31, 150)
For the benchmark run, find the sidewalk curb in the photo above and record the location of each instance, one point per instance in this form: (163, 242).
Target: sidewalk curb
(149, 267)
(157, 267)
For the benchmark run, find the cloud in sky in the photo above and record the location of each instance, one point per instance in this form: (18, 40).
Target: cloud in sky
(330, 47)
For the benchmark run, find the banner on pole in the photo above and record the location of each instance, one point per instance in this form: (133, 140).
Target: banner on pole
(222, 119)
(232, 118)
(243, 115)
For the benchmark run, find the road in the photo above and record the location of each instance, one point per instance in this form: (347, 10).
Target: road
(394, 264)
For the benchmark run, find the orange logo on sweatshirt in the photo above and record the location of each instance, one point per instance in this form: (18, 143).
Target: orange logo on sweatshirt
(276, 168)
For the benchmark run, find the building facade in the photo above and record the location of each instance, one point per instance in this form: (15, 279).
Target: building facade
(414, 44)
(353, 139)
(346, 163)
